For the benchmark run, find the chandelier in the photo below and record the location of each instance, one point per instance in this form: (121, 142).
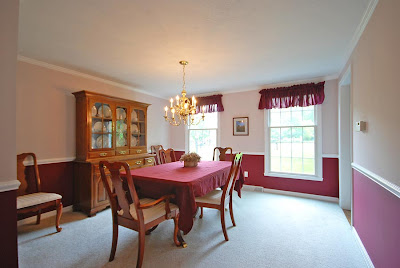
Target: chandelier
(184, 109)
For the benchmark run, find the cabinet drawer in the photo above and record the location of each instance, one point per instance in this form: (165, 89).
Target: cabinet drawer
(101, 154)
(135, 163)
(138, 151)
(122, 152)
(149, 161)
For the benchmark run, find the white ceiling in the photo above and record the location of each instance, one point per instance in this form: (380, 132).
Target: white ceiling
(230, 45)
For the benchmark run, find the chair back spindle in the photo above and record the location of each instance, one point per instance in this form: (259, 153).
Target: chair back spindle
(233, 173)
(28, 176)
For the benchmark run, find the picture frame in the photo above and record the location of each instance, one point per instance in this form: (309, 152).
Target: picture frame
(240, 126)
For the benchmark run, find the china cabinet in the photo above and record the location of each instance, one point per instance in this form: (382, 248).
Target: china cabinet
(107, 128)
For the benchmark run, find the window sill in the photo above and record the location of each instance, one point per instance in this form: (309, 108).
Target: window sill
(293, 176)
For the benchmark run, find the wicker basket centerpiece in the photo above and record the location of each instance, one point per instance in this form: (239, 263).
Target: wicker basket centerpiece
(190, 159)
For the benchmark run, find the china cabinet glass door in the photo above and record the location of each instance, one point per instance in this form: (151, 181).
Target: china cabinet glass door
(121, 129)
(102, 126)
(138, 128)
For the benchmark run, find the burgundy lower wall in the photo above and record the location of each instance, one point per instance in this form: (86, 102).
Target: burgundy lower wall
(254, 164)
(376, 217)
(8, 229)
(56, 178)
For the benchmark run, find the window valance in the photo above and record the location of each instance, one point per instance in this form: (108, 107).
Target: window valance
(298, 95)
(211, 104)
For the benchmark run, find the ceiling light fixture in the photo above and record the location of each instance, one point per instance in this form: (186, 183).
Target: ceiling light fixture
(184, 109)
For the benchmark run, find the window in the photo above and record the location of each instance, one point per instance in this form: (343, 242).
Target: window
(202, 138)
(293, 147)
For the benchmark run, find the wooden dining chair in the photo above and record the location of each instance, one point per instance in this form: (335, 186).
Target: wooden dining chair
(222, 153)
(30, 198)
(155, 149)
(142, 215)
(167, 156)
(219, 199)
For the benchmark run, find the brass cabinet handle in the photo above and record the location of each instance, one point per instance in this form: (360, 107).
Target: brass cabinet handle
(149, 160)
(138, 162)
(138, 151)
(122, 152)
(103, 154)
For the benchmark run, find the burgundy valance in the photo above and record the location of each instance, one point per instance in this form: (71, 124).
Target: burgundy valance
(298, 95)
(211, 104)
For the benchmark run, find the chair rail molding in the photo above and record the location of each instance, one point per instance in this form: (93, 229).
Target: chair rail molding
(391, 187)
(9, 185)
(50, 161)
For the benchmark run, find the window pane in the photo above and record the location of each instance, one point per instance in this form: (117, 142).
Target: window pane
(297, 165)
(203, 142)
(275, 135)
(275, 164)
(210, 121)
(308, 117)
(285, 118)
(286, 150)
(308, 150)
(297, 134)
(275, 116)
(286, 164)
(309, 166)
(308, 134)
(286, 135)
(275, 149)
(297, 150)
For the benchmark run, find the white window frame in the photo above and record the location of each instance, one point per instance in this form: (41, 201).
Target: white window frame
(318, 150)
(187, 130)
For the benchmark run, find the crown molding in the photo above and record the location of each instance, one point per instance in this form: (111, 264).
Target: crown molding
(360, 29)
(84, 75)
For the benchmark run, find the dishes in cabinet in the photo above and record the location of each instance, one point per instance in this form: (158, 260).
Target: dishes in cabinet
(106, 112)
(98, 127)
(103, 141)
(134, 117)
(121, 141)
(133, 141)
(134, 128)
(121, 127)
(94, 110)
(121, 114)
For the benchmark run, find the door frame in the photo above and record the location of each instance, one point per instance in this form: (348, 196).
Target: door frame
(344, 84)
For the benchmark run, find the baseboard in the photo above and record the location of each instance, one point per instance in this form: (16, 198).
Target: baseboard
(43, 216)
(362, 248)
(303, 195)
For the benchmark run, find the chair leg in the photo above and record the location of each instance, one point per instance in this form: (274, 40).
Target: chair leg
(58, 216)
(151, 229)
(114, 241)
(201, 213)
(222, 210)
(141, 247)
(38, 216)
(231, 211)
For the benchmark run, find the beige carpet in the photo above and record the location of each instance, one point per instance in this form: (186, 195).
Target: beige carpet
(272, 231)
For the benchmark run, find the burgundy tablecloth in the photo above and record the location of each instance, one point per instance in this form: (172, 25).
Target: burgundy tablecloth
(185, 183)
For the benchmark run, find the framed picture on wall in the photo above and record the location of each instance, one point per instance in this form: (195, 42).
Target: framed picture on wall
(240, 126)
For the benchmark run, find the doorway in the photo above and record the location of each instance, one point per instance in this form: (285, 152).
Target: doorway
(345, 144)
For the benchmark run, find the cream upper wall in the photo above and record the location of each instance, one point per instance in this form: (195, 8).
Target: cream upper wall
(8, 59)
(375, 91)
(245, 104)
(46, 110)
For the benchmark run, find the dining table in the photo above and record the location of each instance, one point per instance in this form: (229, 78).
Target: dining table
(186, 183)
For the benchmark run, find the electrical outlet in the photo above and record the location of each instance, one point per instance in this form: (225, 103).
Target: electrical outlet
(246, 174)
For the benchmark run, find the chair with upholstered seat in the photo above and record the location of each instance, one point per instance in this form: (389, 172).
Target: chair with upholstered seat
(142, 215)
(167, 156)
(219, 199)
(30, 199)
(222, 154)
